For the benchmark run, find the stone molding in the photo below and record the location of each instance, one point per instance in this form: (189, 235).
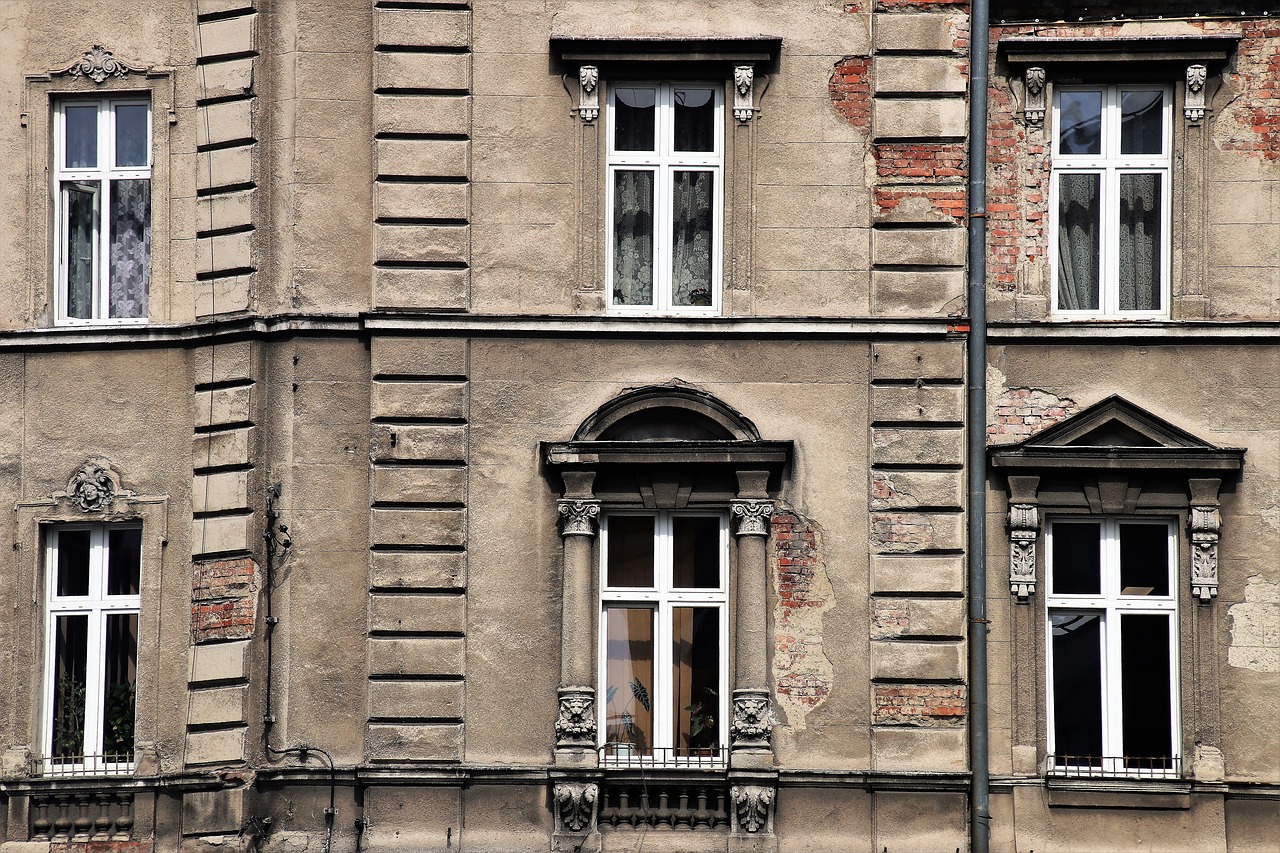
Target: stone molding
(743, 92)
(752, 517)
(588, 93)
(576, 806)
(751, 807)
(1193, 103)
(1205, 526)
(752, 724)
(576, 723)
(97, 64)
(1024, 530)
(578, 517)
(1033, 107)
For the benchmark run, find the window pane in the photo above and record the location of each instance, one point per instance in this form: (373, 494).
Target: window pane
(124, 555)
(1077, 557)
(1077, 687)
(1141, 122)
(1140, 242)
(1144, 559)
(81, 137)
(629, 680)
(120, 678)
(630, 558)
(632, 238)
(1080, 123)
(131, 135)
(696, 678)
(69, 685)
(1079, 236)
(633, 117)
(695, 123)
(130, 262)
(691, 238)
(73, 562)
(1144, 683)
(696, 558)
(81, 223)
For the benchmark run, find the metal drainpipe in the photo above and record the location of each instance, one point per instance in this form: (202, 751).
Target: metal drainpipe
(980, 795)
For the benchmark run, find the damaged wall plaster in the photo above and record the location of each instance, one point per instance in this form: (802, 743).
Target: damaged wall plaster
(802, 672)
(1255, 627)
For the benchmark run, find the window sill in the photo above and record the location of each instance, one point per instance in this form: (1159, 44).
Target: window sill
(1168, 794)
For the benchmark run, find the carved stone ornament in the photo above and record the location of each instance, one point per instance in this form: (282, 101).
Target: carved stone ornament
(743, 84)
(588, 93)
(752, 724)
(577, 517)
(1024, 530)
(1033, 109)
(1205, 524)
(98, 64)
(576, 805)
(92, 487)
(576, 724)
(753, 517)
(751, 806)
(1193, 105)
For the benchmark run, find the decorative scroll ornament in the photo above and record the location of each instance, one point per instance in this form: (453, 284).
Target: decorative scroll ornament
(1024, 530)
(743, 83)
(751, 806)
(752, 724)
(578, 517)
(1033, 109)
(1205, 524)
(1193, 105)
(98, 64)
(92, 487)
(576, 725)
(753, 517)
(576, 805)
(588, 93)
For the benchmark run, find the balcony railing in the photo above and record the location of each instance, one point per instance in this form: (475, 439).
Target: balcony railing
(1114, 767)
(81, 816)
(626, 756)
(663, 805)
(65, 766)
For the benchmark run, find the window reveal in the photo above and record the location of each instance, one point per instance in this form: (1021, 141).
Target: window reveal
(664, 630)
(665, 197)
(102, 190)
(1112, 657)
(1110, 215)
(91, 656)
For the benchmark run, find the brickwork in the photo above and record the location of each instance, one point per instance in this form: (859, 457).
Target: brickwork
(889, 618)
(919, 160)
(918, 704)
(1022, 412)
(850, 90)
(224, 596)
(1253, 119)
(802, 672)
(900, 532)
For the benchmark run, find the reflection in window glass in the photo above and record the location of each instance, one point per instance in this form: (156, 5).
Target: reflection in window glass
(1142, 122)
(695, 118)
(1077, 687)
(633, 118)
(696, 552)
(81, 142)
(131, 134)
(630, 557)
(1080, 123)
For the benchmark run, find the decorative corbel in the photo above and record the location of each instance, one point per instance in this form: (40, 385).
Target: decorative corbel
(1193, 104)
(1024, 531)
(576, 806)
(752, 724)
(588, 93)
(743, 92)
(576, 723)
(1033, 107)
(751, 807)
(1204, 525)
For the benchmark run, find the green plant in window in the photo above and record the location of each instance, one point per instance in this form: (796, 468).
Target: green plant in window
(117, 733)
(68, 723)
(623, 713)
(702, 721)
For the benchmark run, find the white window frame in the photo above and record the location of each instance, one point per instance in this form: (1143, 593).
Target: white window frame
(1110, 164)
(104, 174)
(97, 606)
(664, 161)
(663, 598)
(1110, 604)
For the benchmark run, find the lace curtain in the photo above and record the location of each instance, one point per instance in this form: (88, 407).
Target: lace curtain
(691, 239)
(130, 260)
(1139, 242)
(1078, 241)
(632, 238)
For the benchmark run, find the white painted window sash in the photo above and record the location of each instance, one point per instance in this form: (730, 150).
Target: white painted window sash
(664, 162)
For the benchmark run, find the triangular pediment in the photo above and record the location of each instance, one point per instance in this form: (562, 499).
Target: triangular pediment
(1115, 433)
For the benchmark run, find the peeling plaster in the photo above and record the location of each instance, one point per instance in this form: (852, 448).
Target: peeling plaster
(802, 672)
(1255, 627)
(1020, 412)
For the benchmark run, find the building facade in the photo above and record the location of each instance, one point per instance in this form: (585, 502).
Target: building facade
(505, 426)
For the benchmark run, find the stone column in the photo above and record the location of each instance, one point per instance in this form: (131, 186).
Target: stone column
(752, 722)
(576, 723)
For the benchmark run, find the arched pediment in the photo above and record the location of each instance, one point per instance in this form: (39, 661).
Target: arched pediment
(666, 413)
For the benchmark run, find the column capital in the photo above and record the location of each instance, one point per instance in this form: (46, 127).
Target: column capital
(752, 516)
(578, 517)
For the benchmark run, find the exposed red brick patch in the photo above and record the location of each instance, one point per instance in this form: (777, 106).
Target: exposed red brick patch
(901, 532)
(802, 672)
(850, 89)
(949, 203)
(224, 598)
(918, 704)
(920, 161)
(1022, 412)
(889, 619)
